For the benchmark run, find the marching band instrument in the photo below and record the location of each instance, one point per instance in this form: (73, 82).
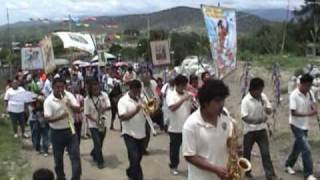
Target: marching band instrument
(149, 107)
(62, 101)
(236, 165)
(101, 117)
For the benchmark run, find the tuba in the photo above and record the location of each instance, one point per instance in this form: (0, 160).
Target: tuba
(236, 165)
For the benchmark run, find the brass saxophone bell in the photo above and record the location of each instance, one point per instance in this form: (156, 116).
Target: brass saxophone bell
(244, 164)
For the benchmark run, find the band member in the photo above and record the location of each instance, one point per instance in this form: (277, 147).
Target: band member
(96, 106)
(302, 108)
(57, 111)
(16, 108)
(133, 128)
(149, 92)
(129, 75)
(165, 90)
(255, 107)
(179, 103)
(205, 134)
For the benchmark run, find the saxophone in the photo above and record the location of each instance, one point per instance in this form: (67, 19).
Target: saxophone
(236, 165)
(67, 109)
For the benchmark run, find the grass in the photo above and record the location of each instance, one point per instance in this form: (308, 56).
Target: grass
(287, 62)
(12, 163)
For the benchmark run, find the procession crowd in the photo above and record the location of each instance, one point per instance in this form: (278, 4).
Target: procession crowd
(75, 103)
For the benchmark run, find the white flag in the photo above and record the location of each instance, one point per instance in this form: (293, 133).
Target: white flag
(82, 41)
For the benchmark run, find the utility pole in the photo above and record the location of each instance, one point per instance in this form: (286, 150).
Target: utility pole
(148, 26)
(70, 23)
(9, 44)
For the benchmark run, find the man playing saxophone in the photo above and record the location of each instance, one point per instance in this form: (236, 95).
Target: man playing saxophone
(205, 134)
(96, 106)
(57, 108)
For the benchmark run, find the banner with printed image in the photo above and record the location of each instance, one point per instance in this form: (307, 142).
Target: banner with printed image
(160, 51)
(222, 33)
(48, 55)
(31, 58)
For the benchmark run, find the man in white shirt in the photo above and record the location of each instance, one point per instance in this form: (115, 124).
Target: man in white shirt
(96, 108)
(302, 108)
(165, 90)
(133, 128)
(149, 92)
(58, 109)
(254, 109)
(179, 103)
(16, 108)
(205, 134)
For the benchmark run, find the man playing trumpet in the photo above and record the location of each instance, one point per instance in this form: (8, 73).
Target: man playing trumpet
(179, 103)
(57, 111)
(133, 128)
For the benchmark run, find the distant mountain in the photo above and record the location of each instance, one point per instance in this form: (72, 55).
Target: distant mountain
(278, 15)
(180, 19)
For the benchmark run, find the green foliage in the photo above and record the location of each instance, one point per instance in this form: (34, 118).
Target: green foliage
(4, 53)
(184, 44)
(129, 53)
(286, 62)
(115, 49)
(309, 21)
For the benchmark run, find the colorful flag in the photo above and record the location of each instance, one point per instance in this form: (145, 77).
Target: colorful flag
(221, 28)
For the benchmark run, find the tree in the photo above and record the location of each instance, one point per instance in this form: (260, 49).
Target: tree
(4, 53)
(115, 49)
(309, 19)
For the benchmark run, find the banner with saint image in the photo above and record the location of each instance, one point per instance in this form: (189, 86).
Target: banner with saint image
(222, 33)
(160, 52)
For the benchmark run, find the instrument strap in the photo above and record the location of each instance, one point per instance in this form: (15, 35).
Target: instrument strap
(96, 105)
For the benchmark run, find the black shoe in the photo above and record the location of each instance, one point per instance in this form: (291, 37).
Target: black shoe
(145, 153)
(101, 165)
(274, 178)
(248, 176)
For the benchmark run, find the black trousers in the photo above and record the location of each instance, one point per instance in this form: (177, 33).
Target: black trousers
(98, 138)
(62, 139)
(261, 138)
(135, 149)
(175, 144)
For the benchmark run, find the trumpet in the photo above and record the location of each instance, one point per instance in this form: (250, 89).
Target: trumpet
(69, 113)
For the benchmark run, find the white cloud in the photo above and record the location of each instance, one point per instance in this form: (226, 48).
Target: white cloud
(53, 9)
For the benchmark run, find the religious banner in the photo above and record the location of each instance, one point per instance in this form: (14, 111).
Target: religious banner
(221, 28)
(81, 41)
(48, 55)
(160, 52)
(31, 58)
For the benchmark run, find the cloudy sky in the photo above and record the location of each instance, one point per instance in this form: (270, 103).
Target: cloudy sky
(22, 10)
